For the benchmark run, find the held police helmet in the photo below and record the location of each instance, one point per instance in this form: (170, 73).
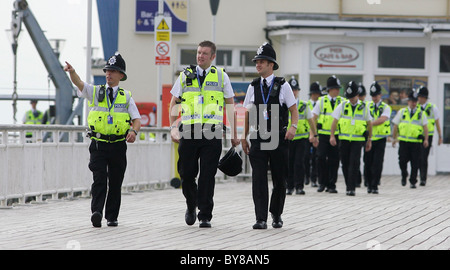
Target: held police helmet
(423, 92)
(375, 89)
(116, 62)
(267, 52)
(352, 90)
(231, 163)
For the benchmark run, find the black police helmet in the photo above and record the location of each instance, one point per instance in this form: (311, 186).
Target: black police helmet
(231, 163)
(333, 83)
(423, 92)
(116, 62)
(362, 90)
(375, 89)
(267, 52)
(352, 90)
(315, 88)
(294, 84)
(413, 95)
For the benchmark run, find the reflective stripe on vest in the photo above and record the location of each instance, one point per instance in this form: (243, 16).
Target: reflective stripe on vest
(302, 124)
(351, 123)
(383, 130)
(325, 117)
(429, 112)
(410, 129)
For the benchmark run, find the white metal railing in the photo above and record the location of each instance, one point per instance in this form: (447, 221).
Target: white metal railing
(45, 166)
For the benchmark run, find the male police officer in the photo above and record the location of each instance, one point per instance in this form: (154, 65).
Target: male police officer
(432, 113)
(381, 129)
(354, 126)
(410, 126)
(268, 101)
(298, 147)
(201, 90)
(112, 110)
(327, 154)
(311, 153)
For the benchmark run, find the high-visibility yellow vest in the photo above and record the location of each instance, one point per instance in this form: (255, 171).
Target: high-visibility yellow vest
(351, 123)
(34, 120)
(202, 104)
(410, 128)
(302, 125)
(429, 113)
(109, 119)
(383, 130)
(325, 119)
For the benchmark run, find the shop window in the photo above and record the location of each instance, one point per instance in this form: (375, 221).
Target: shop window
(248, 56)
(446, 122)
(188, 57)
(444, 59)
(223, 58)
(401, 57)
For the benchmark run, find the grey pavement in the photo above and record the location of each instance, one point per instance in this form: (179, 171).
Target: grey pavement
(399, 218)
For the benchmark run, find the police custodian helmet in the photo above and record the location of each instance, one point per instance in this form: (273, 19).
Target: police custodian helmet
(116, 62)
(267, 52)
(231, 163)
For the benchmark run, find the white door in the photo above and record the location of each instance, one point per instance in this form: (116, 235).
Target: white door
(440, 155)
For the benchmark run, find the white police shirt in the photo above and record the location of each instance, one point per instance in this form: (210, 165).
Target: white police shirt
(88, 92)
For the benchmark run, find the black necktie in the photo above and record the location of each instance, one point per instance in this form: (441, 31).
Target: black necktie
(265, 87)
(202, 77)
(110, 93)
(412, 113)
(332, 103)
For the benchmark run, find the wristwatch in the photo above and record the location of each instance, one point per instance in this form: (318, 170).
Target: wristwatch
(294, 125)
(135, 132)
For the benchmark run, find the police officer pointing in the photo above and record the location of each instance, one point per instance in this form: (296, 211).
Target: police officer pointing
(113, 120)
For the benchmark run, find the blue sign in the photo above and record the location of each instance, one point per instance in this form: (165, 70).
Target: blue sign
(146, 11)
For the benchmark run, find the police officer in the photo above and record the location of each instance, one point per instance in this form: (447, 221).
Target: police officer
(355, 125)
(327, 154)
(32, 117)
(299, 146)
(410, 128)
(268, 101)
(362, 97)
(311, 173)
(432, 113)
(381, 129)
(201, 91)
(113, 120)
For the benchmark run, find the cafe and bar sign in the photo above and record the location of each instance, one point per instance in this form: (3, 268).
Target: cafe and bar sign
(336, 56)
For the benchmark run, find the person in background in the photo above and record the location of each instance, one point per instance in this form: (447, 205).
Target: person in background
(32, 117)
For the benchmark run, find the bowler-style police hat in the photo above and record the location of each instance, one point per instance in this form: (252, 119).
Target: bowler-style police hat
(231, 163)
(294, 84)
(352, 90)
(423, 92)
(116, 62)
(375, 89)
(413, 95)
(267, 52)
(362, 90)
(315, 88)
(333, 83)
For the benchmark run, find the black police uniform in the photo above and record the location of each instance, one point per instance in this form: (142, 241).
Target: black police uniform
(311, 173)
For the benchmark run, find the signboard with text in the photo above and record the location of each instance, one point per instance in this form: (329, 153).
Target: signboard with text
(331, 56)
(147, 10)
(163, 37)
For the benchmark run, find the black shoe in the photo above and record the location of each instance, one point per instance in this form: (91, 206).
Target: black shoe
(306, 181)
(423, 183)
(112, 223)
(321, 188)
(314, 184)
(289, 191)
(96, 219)
(190, 217)
(403, 181)
(375, 191)
(204, 224)
(412, 186)
(277, 222)
(369, 190)
(300, 192)
(332, 190)
(351, 193)
(260, 224)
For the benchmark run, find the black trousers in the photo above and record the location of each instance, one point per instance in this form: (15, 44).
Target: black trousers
(199, 155)
(424, 161)
(108, 162)
(260, 161)
(297, 170)
(373, 163)
(327, 161)
(311, 163)
(350, 152)
(410, 152)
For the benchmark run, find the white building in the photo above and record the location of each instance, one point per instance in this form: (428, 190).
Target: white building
(402, 44)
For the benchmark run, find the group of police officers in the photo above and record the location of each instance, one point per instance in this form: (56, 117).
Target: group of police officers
(299, 141)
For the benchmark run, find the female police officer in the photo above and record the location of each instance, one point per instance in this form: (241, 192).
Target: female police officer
(111, 109)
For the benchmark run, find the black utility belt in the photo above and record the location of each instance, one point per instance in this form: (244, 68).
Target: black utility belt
(110, 138)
